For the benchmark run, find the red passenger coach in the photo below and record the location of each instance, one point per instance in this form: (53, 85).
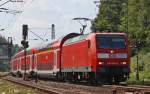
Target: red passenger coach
(48, 58)
(94, 57)
(17, 62)
(44, 61)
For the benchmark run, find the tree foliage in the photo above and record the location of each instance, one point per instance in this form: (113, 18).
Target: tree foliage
(4, 48)
(110, 15)
(125, 15)
(4, 66)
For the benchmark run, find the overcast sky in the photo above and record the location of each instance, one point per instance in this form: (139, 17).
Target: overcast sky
(40, 14)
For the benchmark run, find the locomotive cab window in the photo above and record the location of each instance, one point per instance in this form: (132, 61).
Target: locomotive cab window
(112, 42)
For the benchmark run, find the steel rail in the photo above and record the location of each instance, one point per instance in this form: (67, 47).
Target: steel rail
(59, 88)
(63, 88)
(35, 86)
(132, 89)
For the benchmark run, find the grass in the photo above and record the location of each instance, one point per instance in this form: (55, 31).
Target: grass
(10, 88)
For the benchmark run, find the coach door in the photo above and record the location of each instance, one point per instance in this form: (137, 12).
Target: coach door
(19, 64)
(35, 63)
(32, 62)
(55, 61)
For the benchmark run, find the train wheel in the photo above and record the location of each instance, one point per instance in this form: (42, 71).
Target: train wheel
(92, 79)
(36, 77)
(116, 80)
(32, 74)
(110, 80)
(12, 74)
(19, 74)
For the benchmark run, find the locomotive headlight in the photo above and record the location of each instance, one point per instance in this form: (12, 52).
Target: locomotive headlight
(100, 63)
(124, 63)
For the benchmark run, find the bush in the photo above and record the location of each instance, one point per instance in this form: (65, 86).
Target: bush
(144, 69)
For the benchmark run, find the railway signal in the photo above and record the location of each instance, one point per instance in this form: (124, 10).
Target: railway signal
(25, 32)
(138, 45)
(25, 35)
(25, 45)
(10, 42)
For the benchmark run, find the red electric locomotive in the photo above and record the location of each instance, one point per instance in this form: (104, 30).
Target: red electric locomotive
(95, 57)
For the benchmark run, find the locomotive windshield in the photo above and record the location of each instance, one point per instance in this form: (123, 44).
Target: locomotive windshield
(110, 41)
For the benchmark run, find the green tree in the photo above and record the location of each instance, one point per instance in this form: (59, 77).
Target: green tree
(116, 15)
(4, 66)
(110, 15)
(139, 17)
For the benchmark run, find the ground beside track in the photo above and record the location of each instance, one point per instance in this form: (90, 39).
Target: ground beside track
(11, 88)
(67, 88)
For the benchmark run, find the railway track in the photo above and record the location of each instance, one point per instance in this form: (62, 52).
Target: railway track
(51, 87)
(131, 89)
(115, 89)
(29, 84)
(59, 88)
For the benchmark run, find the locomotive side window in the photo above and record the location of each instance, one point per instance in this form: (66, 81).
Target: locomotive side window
(111, 42)
(75, 39)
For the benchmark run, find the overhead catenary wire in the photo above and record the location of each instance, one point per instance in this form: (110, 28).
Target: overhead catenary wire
(44, 29)
(11, 11)
(37, 35)
(15, 13)
(8, 20)
(4, 3)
